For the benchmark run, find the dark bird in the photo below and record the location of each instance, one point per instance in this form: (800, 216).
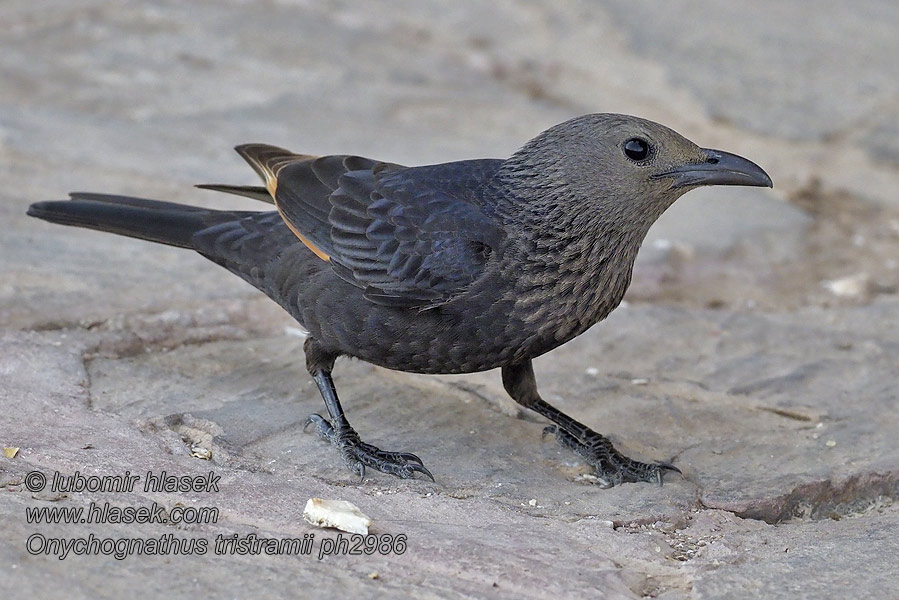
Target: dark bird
(448, 268)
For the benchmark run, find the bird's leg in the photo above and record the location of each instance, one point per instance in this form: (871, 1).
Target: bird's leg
(356, 454)
(611, 466)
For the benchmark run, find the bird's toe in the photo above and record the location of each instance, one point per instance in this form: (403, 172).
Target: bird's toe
(357, 455)
(612, 467)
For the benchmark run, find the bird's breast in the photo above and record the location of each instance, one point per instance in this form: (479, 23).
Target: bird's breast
(557, 295)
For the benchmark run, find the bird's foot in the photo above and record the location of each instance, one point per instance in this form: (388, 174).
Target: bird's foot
(612, 467)
(357, 455)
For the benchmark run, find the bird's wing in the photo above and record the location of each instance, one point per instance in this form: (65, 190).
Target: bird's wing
(406, 242)
(393, 231)
(300, 185)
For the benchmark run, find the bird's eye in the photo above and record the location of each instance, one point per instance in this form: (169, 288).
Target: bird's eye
(636, 149)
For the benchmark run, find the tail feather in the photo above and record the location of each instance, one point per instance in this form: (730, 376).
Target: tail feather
(131, 201)
(153, 220)
(249, 191)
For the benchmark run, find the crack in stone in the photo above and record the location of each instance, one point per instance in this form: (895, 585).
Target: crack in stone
(852, 497)
(504, 405)
(240, 314)
(88, 380)
(125, 336)
(789, 414)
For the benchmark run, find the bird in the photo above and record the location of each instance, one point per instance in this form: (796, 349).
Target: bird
(456, 267)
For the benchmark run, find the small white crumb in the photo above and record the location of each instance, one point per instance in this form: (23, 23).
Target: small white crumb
(592, 371)
(820, 425)
(200, 452)
(532, 502)
(296, 332)
(830, 443)
(847, 287)
(639, 381)
(338, 514)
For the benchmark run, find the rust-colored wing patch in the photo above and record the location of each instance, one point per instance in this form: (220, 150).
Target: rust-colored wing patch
(315, 249)
(268, 161)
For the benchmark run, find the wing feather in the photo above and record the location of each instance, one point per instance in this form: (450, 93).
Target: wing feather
(408, 237)
(415, 245)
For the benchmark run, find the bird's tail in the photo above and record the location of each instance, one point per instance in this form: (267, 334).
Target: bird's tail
(153, 220)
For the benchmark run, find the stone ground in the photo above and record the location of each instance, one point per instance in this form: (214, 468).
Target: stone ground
(758, 348)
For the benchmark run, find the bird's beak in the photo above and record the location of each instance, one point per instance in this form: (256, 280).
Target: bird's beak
(719, 168)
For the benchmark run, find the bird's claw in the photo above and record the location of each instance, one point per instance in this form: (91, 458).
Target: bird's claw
(358, 455)
(322, 426)
(612, 467)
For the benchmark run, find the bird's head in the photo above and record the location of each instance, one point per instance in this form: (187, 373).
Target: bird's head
(622, 165)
